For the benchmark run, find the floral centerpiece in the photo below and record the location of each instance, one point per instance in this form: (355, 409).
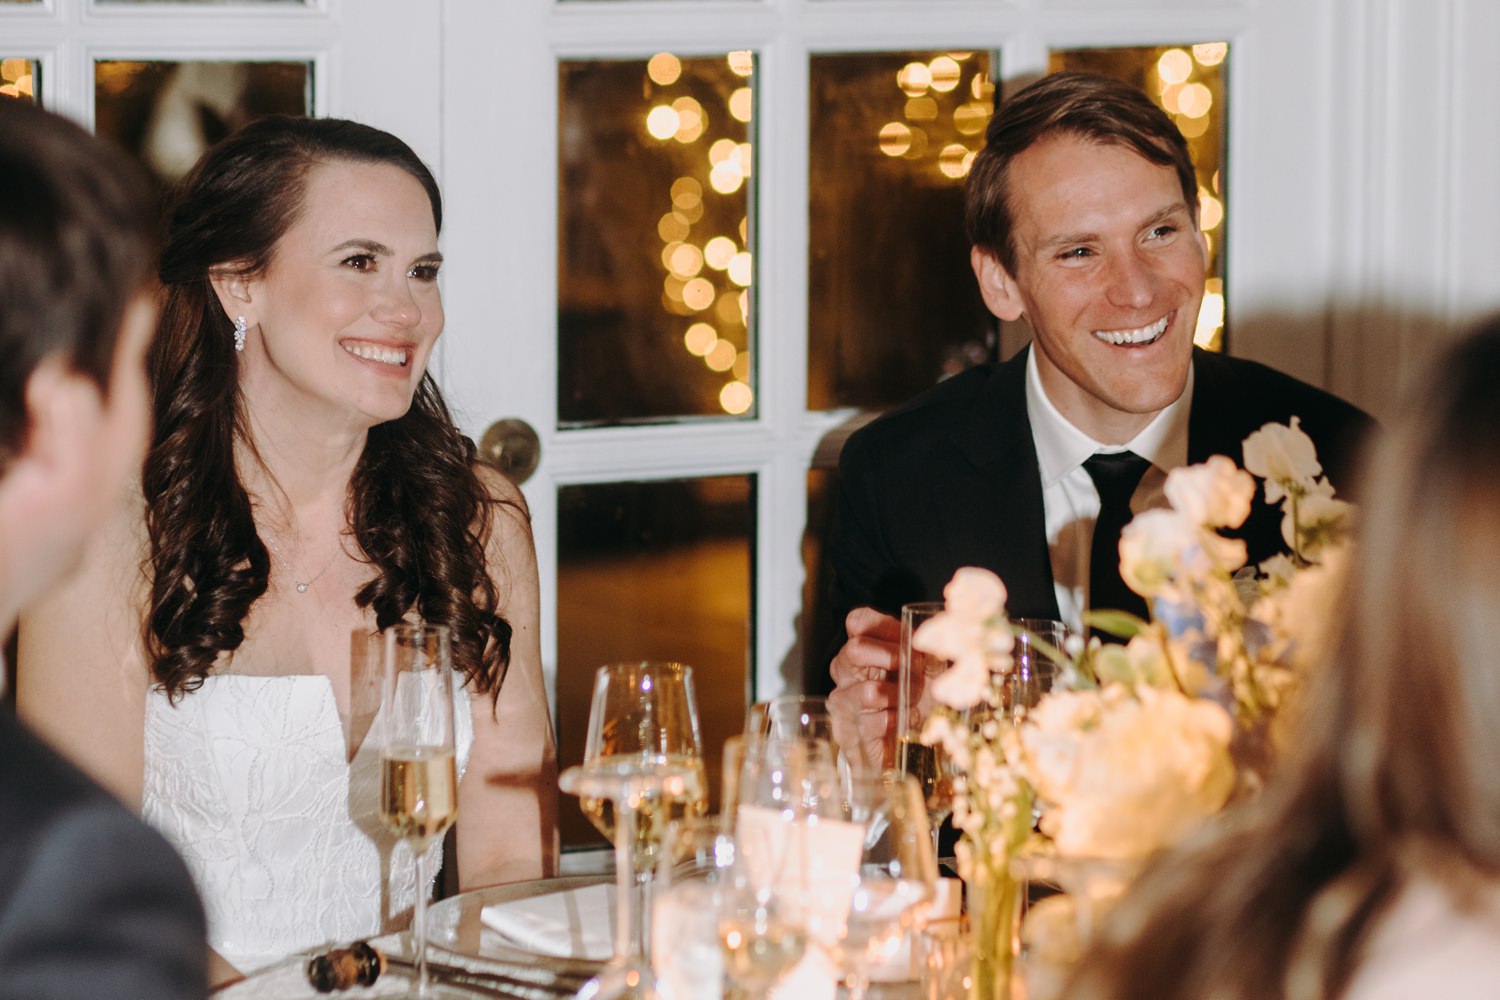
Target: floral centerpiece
(1139, 742)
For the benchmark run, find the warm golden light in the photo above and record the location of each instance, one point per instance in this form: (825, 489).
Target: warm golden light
(662, 122)
(743, 299)
(687, 260)
(721, 150)
(699, 339)
(971, 117)
(1174, 66)
(698, 294)
(741, 367)
(1170, 96)
(1210, 318)
(736, 398)
(1210, 210)
(672, 227)
(744, 229)
(1195, 100)
(718, 252)
(1210, 53)
(741, 103)
(664, 68)
(944, 72)
(921, 109)
(725, 177)
(744, 156)
(686, 191)
(742, 62)
(720, 357)
(914, 78)
(671, 287)
(951, 159)
(691, 120)
(12, 70)
(981, 88)
(1192, 128)
(727, 309)
(740, 268)
(895, 138)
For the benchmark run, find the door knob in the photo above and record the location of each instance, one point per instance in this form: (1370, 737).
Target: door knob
(511, 446)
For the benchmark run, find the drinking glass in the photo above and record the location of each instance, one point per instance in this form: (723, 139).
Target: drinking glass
(932, 768)
(642, 770)
(1034, 671)
(897, 872)
(790, 716)
(418, 778)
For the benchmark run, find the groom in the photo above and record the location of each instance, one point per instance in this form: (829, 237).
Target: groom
(1082, 212)
(93, 903)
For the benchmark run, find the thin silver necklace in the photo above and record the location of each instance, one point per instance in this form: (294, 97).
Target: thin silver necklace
(301, 585)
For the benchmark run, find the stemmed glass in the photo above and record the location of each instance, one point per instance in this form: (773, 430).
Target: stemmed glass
(642, 770)
(932, 768)
(790, 716)
(1033, 670)
(897, 872)
(418, 777)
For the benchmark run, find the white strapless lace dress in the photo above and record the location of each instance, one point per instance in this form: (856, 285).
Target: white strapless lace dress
(249, 778)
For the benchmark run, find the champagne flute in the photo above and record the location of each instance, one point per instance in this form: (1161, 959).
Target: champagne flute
(1033, 671)
(418, 776)
(932, 768)
(642, 770)
(790, 716)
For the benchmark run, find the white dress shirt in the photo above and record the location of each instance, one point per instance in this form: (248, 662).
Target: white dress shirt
(1069, 500)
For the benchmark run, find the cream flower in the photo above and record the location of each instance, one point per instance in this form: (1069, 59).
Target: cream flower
(1121, 775)
(1215, 493)
(1321, 521)
(964, 684)
(1154, 548)
(1283, 456)
(974, 594)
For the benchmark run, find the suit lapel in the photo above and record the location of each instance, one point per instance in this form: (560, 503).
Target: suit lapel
(991, 508)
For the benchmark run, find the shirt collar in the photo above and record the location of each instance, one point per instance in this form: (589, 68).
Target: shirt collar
(1062, 447)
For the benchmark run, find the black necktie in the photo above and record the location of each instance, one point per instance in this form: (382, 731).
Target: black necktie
(1115, 476)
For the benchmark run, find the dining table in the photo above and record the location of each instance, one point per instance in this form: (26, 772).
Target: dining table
(466, 952)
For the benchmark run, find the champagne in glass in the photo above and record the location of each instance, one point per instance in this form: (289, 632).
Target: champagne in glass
(643, 756)
(418, 776)
(930, 766)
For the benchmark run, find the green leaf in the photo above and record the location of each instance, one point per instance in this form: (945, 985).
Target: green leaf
(1119, 623)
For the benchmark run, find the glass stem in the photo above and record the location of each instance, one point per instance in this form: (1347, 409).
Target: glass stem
(628, 941)
(419, 921)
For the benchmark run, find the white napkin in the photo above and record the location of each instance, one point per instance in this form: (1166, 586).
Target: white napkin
(574, 923)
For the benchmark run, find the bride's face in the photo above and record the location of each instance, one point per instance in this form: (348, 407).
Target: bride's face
(347, 313)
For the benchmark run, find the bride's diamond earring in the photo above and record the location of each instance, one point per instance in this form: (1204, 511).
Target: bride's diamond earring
(240, 326)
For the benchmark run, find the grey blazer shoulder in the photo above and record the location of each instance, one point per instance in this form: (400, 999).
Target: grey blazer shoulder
(93, 902)
(950, 479)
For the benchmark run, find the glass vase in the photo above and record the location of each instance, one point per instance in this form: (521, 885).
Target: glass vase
(993, 900)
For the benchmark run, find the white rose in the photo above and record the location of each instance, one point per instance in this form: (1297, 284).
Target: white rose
(1215, 493)
(1283, 456)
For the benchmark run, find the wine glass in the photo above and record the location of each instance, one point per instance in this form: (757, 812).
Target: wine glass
(897, 872)
(790, 716)
(642, 770)
(776, 791)
(1033, 670)
(932, 768)
(418, 777)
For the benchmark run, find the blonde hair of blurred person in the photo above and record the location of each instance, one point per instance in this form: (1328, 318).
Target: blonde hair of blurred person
(305, 488)
(1371, 866)
(92, 902)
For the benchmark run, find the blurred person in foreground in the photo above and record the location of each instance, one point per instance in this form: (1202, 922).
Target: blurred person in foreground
(305, 488)
(1082, 212)
(1370, 868)
(93, 903)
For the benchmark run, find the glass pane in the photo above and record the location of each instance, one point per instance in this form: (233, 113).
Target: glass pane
(168, 113)
(19, 78)
(1188, 82)
(654, 270)
(654, 571)
(892, 303)
(816, 626)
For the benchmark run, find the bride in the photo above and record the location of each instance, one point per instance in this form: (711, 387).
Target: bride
(305, 488)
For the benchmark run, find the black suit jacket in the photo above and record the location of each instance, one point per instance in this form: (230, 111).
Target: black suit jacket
(951, 479)
(93, 903)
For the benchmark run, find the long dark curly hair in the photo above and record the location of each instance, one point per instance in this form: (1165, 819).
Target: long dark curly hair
(416, 507)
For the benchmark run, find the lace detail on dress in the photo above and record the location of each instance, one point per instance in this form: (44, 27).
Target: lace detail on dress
(248, 778)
